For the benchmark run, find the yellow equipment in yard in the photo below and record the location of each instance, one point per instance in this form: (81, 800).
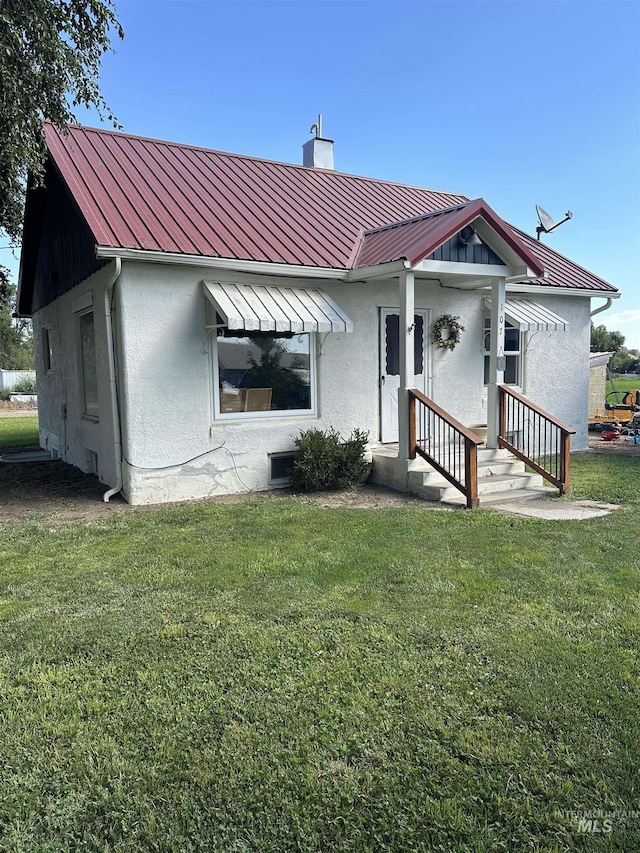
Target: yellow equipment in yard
(624, 415)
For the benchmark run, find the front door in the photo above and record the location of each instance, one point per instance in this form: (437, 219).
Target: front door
(390, 367)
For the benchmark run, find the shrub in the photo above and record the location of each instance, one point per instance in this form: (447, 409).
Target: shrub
(24, 386)
(323, 461)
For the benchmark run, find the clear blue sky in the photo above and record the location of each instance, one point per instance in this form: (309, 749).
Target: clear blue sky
(517, 102)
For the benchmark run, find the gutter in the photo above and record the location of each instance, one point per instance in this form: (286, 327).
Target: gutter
(554, 290)
(113, 383)
(604, 307)
(259, 267)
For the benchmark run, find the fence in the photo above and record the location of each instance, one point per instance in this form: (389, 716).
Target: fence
(9, 378)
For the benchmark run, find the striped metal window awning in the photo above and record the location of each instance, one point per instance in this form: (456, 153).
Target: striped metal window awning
(529, 316)
(267, 308)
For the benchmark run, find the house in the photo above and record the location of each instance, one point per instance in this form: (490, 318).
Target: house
(195, 310)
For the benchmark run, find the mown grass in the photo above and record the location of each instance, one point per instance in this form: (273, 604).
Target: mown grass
(273, 676)
(19, 432)
(622, 386)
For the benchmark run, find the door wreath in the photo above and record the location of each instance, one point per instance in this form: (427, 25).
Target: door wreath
(447, 321)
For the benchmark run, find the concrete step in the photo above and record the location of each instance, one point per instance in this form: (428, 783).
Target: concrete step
(437, 488)
(503, 497)
(494, 467)
(501, 477)
(486, 471)
(486, 454)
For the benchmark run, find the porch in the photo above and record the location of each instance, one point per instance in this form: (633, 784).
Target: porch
(446, 460)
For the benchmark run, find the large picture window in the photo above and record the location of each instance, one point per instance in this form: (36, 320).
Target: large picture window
(512, 351)
(88, 371)
(263, 373)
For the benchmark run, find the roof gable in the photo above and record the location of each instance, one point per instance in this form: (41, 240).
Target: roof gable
(417, 238)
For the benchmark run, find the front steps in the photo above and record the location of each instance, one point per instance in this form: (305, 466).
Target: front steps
(501, 478)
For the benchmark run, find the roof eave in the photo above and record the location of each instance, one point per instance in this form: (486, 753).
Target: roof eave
(208, 262)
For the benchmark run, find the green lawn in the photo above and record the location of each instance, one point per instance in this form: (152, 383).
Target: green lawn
(19, 432)
(271, 676)
(622, 386)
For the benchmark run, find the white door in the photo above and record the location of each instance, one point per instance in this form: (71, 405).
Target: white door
(390, 367)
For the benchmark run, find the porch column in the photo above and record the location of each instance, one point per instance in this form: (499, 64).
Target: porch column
(497, 360)
(407, 313)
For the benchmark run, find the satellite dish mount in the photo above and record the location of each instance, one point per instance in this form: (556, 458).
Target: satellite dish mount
(547, 225)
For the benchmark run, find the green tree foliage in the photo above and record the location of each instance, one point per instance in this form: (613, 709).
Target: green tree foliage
(16, 338)
(602, 340)
(623, 360)
(50, 54)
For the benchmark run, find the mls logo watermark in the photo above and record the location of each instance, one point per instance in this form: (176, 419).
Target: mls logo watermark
(598, 822)
(594, 825)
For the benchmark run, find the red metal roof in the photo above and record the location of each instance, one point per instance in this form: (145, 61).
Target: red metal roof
(411, 239)
(417, 238)
(561, 271)
(138, 193)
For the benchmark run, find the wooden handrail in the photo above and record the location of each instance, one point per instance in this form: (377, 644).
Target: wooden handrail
(460, 427)
(513, 393)
(425, 429)
(538, 438)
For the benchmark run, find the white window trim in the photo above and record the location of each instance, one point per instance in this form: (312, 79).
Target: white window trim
(520, 385)
(225, 417)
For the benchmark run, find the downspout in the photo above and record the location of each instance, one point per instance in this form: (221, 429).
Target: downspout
(604, 307)
(113, 383)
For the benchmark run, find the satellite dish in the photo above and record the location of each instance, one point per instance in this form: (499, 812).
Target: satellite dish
(547, 225)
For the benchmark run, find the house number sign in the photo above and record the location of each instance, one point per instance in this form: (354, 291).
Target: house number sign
(501, 362)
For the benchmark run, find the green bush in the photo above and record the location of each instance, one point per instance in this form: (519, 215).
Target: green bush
(323, 461)
(24, 386)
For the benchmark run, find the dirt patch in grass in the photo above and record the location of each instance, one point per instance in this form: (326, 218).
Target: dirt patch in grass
(57, 493)
(17, 410)
(621, 445)
(51, 492)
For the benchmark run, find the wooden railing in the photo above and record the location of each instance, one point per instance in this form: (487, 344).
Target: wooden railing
(533, 435)
(446, 444)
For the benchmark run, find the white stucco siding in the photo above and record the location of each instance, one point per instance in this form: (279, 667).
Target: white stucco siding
(458, 374)
(83, 442)
(167, 379)
(556, 366)
(174, 447)
(167, 386)
(163, 365)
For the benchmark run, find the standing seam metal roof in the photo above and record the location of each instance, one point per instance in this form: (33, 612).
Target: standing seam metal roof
(140, 193)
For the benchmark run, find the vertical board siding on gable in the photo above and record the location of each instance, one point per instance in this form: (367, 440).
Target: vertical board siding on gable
(457, 251)
(64, 255)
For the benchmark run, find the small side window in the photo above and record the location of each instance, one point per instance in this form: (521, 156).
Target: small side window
(47, 352)
(512, 351)
(88, 369)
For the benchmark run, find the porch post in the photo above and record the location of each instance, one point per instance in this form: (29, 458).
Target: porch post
(496, 358)
(407, 313)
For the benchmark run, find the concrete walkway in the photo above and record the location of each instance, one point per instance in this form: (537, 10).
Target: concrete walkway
(556, 509)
